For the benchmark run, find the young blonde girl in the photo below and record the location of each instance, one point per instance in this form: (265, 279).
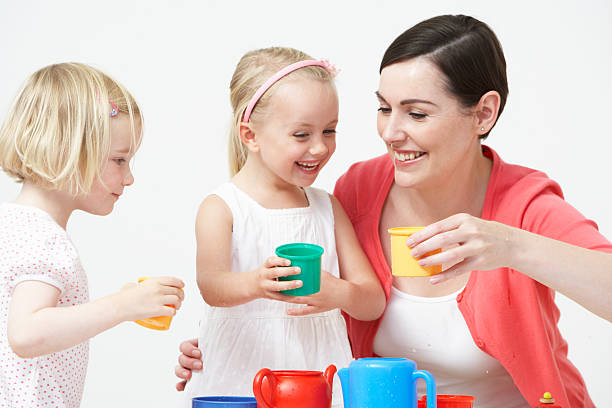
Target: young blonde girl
(285, 114)
(68, 138)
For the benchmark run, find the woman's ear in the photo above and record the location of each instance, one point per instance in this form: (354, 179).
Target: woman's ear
(487, 110)
(247, 137)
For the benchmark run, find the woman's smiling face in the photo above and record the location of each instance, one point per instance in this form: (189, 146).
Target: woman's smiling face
(427, 132)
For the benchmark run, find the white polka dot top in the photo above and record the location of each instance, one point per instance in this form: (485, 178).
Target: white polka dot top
(34, 247)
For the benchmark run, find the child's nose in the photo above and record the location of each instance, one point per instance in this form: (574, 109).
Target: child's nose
(128, 180)
(319, 148)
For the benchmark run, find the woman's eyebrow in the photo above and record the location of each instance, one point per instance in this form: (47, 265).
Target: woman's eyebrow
(416, 100)
(407, 101)
(379, 96)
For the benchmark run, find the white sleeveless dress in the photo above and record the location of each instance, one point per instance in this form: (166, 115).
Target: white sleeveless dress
(238, 341)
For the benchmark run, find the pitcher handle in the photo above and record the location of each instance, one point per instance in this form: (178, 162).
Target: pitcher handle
(431, 386)
(329, 375)
(257, 383)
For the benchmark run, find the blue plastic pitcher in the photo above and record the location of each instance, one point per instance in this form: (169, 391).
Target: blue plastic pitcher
(384, 383)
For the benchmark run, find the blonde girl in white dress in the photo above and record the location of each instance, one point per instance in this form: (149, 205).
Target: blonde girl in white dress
(285, 114)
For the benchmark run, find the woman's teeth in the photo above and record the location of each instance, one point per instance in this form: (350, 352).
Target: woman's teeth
(408, 156)
(308, 166)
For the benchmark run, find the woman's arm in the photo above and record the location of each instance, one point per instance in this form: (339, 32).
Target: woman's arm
(358, 291)
(581, 274)
(37, 327)
(217, 284)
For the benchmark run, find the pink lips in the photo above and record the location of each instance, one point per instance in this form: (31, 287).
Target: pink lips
(315, 169)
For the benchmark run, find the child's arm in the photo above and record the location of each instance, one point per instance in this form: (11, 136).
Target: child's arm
(358, 292)
(218, 285)
(36, 326)
(365, 298)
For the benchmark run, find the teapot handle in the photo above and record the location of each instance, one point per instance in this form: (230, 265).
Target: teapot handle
(329, 375)
(257, 383)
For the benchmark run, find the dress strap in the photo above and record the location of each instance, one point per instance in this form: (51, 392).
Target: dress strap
(320, 202)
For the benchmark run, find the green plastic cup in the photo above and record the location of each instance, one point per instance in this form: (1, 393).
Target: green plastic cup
(308, 258)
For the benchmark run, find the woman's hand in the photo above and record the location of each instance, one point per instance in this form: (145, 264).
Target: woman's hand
(325, 299)
(190, 359)
(469, 243)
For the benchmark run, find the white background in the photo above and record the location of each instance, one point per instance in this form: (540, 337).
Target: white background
(177, 58)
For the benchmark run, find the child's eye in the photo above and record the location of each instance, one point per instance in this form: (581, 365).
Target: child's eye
(300, 135)
(329, 132)
(384, 110)
(119, 161)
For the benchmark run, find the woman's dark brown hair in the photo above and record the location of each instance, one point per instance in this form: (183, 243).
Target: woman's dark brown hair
(464, 49)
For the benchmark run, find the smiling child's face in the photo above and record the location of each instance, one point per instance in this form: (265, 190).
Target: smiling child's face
(297, 135)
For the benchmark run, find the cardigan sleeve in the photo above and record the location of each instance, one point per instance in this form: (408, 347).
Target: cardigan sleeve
(550, 215)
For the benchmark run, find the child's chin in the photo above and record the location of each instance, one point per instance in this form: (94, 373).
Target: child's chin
(303, 185)
(99, 211)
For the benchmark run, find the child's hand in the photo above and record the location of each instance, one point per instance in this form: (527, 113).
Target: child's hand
(150, 298)
(265, 283)
(328, 298)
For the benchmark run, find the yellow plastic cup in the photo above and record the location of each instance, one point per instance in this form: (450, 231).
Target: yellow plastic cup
(155, 323)
(402, 261)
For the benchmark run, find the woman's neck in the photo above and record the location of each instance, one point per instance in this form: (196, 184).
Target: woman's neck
(462, 192)
(58, 204)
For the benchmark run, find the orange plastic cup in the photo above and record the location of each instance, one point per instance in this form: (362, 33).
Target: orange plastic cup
(155, 323)
(449, 401)
(402, 261)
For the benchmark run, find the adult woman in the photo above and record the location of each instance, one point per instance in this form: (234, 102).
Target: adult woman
(483, 328)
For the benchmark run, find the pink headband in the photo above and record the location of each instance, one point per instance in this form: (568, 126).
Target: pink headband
(280, 74)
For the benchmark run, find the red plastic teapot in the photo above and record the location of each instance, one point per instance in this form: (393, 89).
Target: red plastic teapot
(294, 389)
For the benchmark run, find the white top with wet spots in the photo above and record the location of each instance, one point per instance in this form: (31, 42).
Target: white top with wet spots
(432, 333)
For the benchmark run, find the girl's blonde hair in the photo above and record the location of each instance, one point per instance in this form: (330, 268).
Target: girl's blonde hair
(253, 69)
(57, 133)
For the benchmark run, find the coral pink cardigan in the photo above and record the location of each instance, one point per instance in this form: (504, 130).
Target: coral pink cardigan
(510, 316)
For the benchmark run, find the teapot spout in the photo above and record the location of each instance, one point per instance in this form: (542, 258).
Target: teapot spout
(343, 374)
